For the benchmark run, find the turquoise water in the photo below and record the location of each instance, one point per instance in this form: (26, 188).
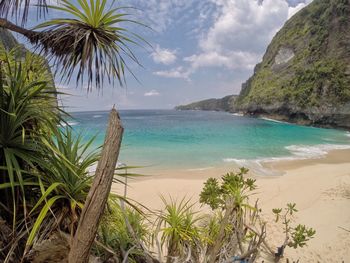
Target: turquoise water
(197, 139)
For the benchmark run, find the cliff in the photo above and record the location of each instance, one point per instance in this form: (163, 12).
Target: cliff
(304, 76)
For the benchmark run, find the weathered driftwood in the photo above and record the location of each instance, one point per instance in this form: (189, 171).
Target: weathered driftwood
(98, 194)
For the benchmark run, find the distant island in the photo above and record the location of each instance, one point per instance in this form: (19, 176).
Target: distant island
(304, 76)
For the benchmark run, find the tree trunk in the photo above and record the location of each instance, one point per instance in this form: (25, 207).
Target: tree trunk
(33, 36)
(98, 194)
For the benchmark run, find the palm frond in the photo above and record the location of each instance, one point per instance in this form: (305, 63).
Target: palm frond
(94, 41)
(20, 8)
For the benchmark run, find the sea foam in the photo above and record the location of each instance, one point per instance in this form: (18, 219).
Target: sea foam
(314, 151)
(200, 169)
(256, 166)
(70, 123)
(299, 152)
(273, 120)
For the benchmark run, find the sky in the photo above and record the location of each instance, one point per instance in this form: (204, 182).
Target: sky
(200, 49)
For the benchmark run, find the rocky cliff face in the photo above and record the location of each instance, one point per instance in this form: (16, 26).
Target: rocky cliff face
(304, 76)
(305, 72)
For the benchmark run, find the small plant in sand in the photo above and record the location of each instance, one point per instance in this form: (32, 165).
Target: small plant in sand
(295, 236)
(242, 230)
(234, 231)
(180, 234)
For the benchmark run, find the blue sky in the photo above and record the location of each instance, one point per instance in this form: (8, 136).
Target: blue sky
(201, 49)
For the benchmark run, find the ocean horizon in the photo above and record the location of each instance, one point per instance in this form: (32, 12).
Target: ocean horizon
(200, 140)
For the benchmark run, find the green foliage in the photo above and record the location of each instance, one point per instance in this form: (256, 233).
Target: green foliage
(64, 179)
(178, 227)
(69, 157)
(300, 235)
(44, 167)
(211, 194)
(316, 77)
(210, 227)
(44, 176)
(237, 228)
(115, 234)
(277, 212)
(291, 208)
(28, 108)
(233, 186)
(325, 79)
(94, 40)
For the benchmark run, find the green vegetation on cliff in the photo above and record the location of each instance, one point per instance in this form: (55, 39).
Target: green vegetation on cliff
(306, 64)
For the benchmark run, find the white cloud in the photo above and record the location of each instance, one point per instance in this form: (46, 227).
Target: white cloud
(232, 60)
(232, 34)
(53, 2)
(178, 73)
(159, 14)
(240, 33)
(237, 38)
(62, 87)
(152, 93)
(293, 10)
(163, 56)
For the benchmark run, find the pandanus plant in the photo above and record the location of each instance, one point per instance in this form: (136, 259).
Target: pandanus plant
(28, 110)
(178, 228)
(27, 107)
(92, 38)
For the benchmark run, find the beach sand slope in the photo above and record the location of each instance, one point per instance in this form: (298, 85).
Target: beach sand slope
(320, 188)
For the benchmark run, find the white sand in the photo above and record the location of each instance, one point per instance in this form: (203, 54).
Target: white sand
(320, 188)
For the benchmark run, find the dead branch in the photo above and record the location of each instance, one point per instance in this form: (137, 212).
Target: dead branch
(98, 194)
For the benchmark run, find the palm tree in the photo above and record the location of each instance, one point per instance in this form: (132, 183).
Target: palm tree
(93, 40)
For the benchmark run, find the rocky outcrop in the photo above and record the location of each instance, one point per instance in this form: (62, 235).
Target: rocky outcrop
(304, 76)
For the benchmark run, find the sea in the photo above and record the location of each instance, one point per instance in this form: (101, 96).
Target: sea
(199, 140)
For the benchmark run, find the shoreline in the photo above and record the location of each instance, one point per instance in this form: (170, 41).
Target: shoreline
(320, 188)
(274, 117)
(274, 167)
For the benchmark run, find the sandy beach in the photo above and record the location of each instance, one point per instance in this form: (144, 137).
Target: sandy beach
(319, 187)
